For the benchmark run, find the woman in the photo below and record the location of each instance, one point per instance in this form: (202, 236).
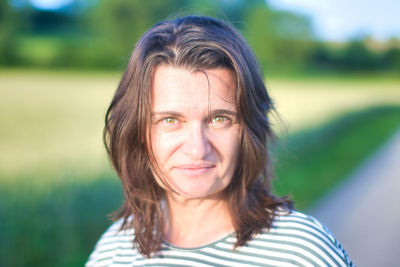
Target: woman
(187, 132)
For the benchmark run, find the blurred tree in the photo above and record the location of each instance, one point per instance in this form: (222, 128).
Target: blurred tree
(234, 11)
(392, 58)
(102, 34)
(119, 24)
(357, 56)
(9, 24)
(281, 40)
(392, 55)
(124, 21)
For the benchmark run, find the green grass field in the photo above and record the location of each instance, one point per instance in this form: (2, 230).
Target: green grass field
(312, 162)
(52, 121)
(56, 185)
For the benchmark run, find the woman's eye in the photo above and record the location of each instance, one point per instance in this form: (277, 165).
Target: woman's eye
(220, 121)
(170, 120)
(169, 123)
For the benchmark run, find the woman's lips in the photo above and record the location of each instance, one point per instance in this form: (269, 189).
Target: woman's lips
(195, 169)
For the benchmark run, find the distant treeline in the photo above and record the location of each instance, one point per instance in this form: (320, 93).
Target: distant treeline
(101, 34)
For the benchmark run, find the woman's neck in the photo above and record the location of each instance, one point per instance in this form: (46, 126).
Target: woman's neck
(196, 222)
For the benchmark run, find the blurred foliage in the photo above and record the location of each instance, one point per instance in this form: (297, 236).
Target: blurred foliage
(8, 32)
(280, 39)
(355, 55)
(56, 227)
(101, 34)
(118, 24)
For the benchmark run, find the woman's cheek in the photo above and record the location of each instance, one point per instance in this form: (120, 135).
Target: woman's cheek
(167, 144)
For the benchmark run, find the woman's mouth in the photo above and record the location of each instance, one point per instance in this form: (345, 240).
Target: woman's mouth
(195, 169)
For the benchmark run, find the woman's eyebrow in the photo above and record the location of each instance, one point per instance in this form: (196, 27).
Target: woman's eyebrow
(166, 113)
(223, 112)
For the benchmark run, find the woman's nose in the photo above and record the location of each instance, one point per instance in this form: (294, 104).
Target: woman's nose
(197, 144)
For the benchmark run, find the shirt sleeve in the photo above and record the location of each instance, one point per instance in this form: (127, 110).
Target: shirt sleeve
(327, 245)
(107, 246)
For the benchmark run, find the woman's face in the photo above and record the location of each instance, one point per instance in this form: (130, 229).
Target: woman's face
(194, 134)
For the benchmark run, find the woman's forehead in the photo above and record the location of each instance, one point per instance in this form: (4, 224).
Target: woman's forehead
(182, 88)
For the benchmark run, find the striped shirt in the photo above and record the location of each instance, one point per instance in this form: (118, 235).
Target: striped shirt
(295, 239)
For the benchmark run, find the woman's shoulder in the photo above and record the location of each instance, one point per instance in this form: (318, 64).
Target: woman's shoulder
(113, 241)
(295, 219)
(298, 224)
(303, 236)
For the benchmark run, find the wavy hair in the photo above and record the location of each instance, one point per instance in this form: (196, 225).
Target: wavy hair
(193, 43)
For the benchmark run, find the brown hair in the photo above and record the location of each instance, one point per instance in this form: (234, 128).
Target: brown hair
(192, 42)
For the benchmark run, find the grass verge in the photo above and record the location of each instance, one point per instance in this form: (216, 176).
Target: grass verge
(312, 162)
(57, 225)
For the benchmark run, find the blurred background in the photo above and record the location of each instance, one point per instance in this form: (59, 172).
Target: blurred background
(332, 67)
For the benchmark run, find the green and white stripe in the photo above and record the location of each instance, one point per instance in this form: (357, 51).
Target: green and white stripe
(295, 239)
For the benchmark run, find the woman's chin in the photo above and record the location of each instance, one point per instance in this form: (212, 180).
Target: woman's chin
(195, 192)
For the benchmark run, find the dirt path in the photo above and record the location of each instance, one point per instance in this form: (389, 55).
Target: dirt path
(364, 212)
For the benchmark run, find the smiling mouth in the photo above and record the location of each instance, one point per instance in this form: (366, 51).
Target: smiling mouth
(195, 169)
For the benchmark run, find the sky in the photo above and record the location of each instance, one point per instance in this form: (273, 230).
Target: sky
(50, 4)
(340, 20)
(333, 20)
